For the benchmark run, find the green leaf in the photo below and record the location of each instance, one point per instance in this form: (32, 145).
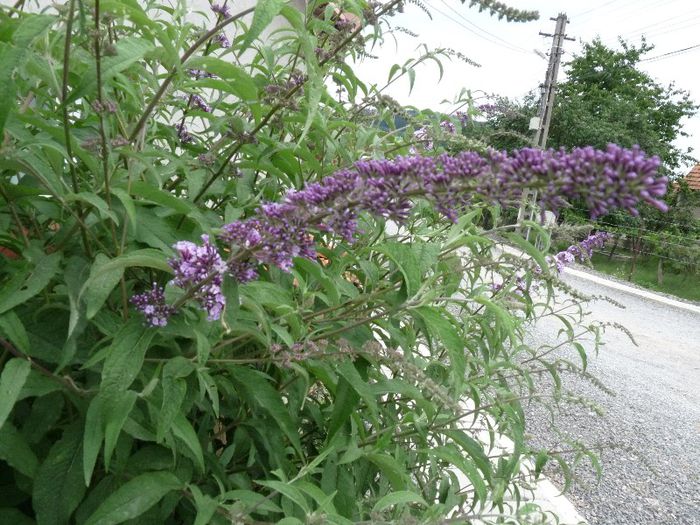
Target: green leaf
(25, 285)
(9, 58)
(58, 486)
(288, 491)
(13, 377)
(146, 258)
(401, 497)
(15, 517)
(404, 256)
(474, 449)
(122, 365)
(95, 201)
(251, 499)
(364, 390)
(440, 328)
(38, 385)
(15, 451)
(345, 400)
(129, 50)
(206, 506)
(391, 468)
(529, 249)
(13, 329)
(184, 431)
(164, 198)
(100, 284)
(174, 391)
(134, 498)
(128, 204)
(115, 411)
(451, 455)
(125, 358)
(30, 28)
(93, 435)
(265, 11)
(234, 79)
(258, 391)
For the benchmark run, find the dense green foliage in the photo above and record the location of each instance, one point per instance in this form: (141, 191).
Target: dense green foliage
(607, 97)
(369, 385)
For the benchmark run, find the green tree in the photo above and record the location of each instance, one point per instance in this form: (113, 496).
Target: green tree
(607, 97)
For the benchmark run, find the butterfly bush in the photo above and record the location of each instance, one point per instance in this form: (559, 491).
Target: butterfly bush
(602, 179)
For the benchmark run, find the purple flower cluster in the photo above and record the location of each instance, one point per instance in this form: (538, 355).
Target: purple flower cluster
(222, 40)
(604, 180)
(200, 103)
(221, 10)
(200, 73)
(200, 267)
(488, 109)
(182, 133)
(152, 305)
(422, 135)
(296, 80)
(448, 126)
(581, 251)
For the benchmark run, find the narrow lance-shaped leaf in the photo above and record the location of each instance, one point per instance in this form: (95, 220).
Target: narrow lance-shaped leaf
(134, 498)
(14, 374)
(265, 11)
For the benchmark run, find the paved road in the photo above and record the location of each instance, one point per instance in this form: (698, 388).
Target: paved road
(653, 477)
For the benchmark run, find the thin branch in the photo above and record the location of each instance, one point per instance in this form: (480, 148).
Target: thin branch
(65, 381)
(164, 86)
(66, 121)
(15, 216)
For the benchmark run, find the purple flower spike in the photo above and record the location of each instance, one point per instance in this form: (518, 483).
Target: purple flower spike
(581, 251)
(603, 179)
(152, 305)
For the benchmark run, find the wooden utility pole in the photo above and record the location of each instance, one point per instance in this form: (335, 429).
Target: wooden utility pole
(544, 117)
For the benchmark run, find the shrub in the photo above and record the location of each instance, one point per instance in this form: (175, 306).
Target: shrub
(221, 304)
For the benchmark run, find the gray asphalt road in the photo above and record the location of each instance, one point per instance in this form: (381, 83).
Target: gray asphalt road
(652, 477)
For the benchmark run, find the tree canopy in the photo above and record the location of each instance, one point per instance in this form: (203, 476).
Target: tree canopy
(607, 97)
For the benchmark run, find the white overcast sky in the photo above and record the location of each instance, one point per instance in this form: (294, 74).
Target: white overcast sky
(509, 65)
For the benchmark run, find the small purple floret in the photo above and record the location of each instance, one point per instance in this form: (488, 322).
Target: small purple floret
(152, 305)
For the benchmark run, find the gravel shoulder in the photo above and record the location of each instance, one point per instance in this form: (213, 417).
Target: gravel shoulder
(651, 474)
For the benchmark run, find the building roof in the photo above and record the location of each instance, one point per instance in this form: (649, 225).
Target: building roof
(693, 178)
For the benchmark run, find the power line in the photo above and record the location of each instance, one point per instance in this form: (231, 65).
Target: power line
(593, 9)
(665, 30)
(463, 26)
(509, 44)
(608, 12)
(670, 53)
(675, 19)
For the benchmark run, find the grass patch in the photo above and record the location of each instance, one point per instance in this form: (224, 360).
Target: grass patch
(682, 285)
